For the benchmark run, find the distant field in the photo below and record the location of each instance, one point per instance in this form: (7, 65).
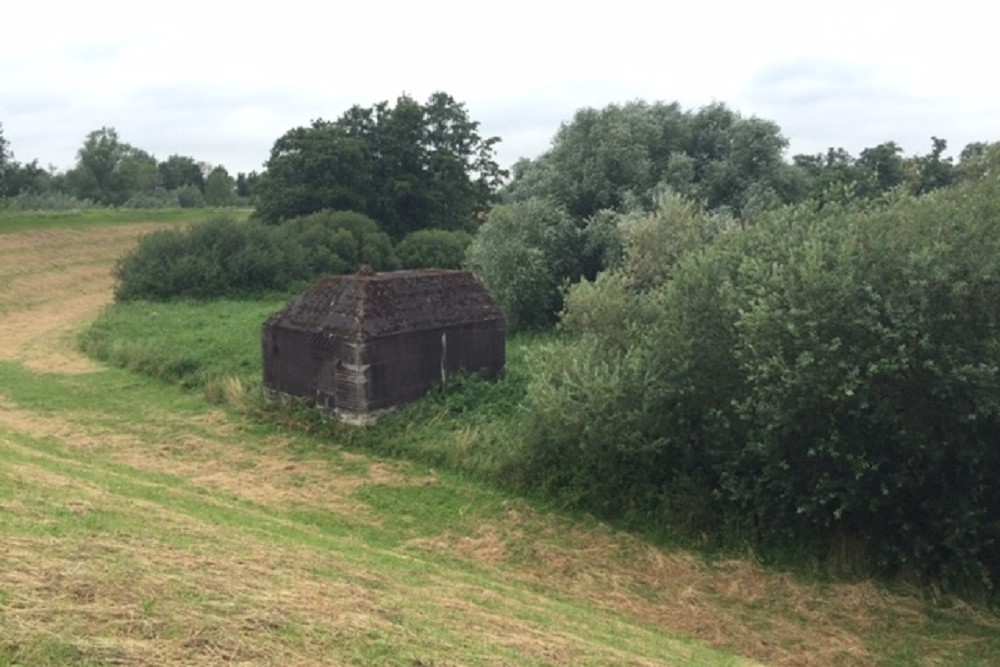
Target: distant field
(16, 221)
(142, 525)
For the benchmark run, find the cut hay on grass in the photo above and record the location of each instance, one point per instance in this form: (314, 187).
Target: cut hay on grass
(141, 526)
(720, 602)
(51, 282)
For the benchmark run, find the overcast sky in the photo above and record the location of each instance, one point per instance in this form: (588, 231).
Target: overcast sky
(221, 81)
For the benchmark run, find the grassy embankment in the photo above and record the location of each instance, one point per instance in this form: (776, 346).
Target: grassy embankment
(17, 221)
(143, 525)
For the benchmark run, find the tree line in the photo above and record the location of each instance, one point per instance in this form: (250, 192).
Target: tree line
(111, 172)
(412, 165)
(796, 354)
(562, 210)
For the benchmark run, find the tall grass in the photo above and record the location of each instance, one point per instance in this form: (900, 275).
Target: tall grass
(468, 424)
(189, 343)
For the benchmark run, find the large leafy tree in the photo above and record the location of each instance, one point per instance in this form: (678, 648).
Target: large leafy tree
(180, 170)
(933, 170)
(617, 157)
(109, 171)
(409, 165)
(315, 168)
(839, 177)
(883, 168)
(246, 184)
(524, 253)
(220, 189)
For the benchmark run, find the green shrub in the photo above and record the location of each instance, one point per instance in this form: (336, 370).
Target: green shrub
(825, 376)
(226, 258)
(654, 242)
(189, 196)
(158, 198)
(211, 259)
(433, 248)
(340, 242)
(46, 201)
(603, 245)
(524, 253)
(869, 355)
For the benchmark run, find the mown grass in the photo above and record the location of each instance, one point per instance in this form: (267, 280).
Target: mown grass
(16, 221)
(123, 555)
(144, 525)
(468, 427)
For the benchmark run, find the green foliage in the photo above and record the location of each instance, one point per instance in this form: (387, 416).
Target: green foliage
(838, 178)
(610, 310)
(246, 184)
(311, 169)
(189, 196)
(179, 171)
(339, 242)
(618, 156)
(603, 245)
(870, 398)
(222, 257)
(979, 160)
(524, 253)
(433, 248)
(653, 243)
(822, 376)
(6, 158)
(410, 166)
(27, 179)
(109, 171)
(45, 201)
(211, 259)
(933, 171)
(220, 189)
(586, 429)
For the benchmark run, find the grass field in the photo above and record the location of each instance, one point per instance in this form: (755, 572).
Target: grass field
(16, 221)
(142, 525)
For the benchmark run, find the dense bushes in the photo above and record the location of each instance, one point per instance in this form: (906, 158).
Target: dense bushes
(831, 377)
(337, 242)
(223, 257)
(47, 201)
(212, 259)
(226, 258)
(438, 248)
(524, 253)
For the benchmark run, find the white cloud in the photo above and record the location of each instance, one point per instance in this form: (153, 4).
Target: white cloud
(220, 81)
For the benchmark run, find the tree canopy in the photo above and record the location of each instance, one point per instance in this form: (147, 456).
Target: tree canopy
(109, 171)
(410, 166)
(178, 171)
(615, 157)
(220, 189)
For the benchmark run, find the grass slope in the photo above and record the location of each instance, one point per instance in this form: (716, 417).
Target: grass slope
(140, 524)
(144, 525)
(19, 221)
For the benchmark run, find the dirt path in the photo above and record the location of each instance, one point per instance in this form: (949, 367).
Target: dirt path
(52, 282)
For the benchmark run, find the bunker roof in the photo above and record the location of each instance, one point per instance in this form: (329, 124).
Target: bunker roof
(368, 305)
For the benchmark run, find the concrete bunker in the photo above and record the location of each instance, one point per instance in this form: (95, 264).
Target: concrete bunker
(360, 345)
